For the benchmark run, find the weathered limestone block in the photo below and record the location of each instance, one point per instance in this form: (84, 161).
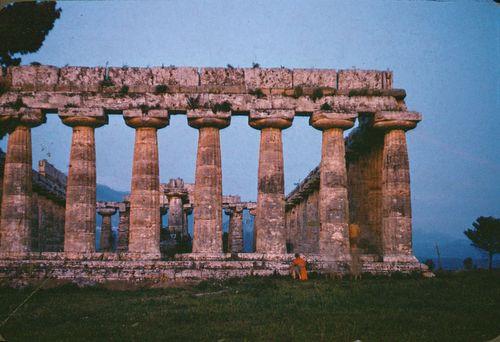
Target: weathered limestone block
(354, 79)
(396, 197)
(176, 195)
(16, 205)
(175, 76)
(208, 181)
(333, 202)
(235, 234)
(79, 227)
(138, 80)
(222, 77)
(106, 241)
(268, 78)
(270, 213)
(123, 225)
(144, 234)
(315, 78)
(80, 78)
(34, 78)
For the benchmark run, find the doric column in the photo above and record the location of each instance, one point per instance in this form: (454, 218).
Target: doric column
(235, 234)
(176, 195)
(16, 206)
(187, 209)
(123, 225)
(208, 181)
(270, 217)
(80, 216)
(144, 234)
(253, 213)
(333, 196)
(396, 197)
(106, 241)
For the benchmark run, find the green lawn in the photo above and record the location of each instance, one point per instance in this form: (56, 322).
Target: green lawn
(451, 307)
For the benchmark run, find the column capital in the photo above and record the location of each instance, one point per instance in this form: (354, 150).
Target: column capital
(324, 120)
(153, 118)
(198, 118)
(28, 117)
(231, 209)
(175, 188)
(90, 117)
(396, 120)
(271, 118)
(106, 211)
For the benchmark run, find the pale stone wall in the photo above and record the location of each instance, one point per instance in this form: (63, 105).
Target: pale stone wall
(47, 207)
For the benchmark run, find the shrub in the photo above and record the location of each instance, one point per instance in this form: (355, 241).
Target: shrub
(317, 94)
(430, 264)
(161, 89)
(257, 92)
(326, 106)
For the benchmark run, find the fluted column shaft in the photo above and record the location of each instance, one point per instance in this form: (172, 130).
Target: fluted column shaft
(17, 191)
(144, 235)
(333, 203)
(79, 228)
(270, 216)
(185, 225)
(396, 197)
(145, 216)
(208, 193)
(123, 227)
(333, 195)
(235, 234)
(80, 213)
(175, 215)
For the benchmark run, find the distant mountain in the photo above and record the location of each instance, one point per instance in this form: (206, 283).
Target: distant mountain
(424, 246)
(105, 193)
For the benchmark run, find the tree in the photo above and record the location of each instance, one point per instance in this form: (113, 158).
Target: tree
(23, 28)
(430, 264)
(468, 264)
(485, 235)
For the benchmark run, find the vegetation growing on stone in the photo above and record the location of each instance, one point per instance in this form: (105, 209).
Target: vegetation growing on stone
(221, 107)
(317, 94)
(193, 102)
(161, 89)
(326, 106)
(257, 93)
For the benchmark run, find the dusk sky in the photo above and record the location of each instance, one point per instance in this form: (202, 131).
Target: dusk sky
(445, 54)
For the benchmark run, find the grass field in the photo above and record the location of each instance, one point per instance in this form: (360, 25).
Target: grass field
(451, 307)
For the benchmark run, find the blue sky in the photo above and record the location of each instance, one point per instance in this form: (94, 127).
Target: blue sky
(445, 54)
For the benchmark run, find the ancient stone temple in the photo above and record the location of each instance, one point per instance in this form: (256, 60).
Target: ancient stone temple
(356, 202)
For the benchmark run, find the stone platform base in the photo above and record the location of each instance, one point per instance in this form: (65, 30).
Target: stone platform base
(127, 274)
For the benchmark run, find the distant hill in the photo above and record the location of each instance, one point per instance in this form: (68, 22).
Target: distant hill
(105, 193)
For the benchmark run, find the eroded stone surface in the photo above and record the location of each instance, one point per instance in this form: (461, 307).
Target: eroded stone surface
(79, 225)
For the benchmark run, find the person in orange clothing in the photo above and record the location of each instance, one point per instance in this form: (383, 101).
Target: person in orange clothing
(298, 268)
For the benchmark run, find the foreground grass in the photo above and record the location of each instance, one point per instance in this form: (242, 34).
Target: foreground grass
(451, 307)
